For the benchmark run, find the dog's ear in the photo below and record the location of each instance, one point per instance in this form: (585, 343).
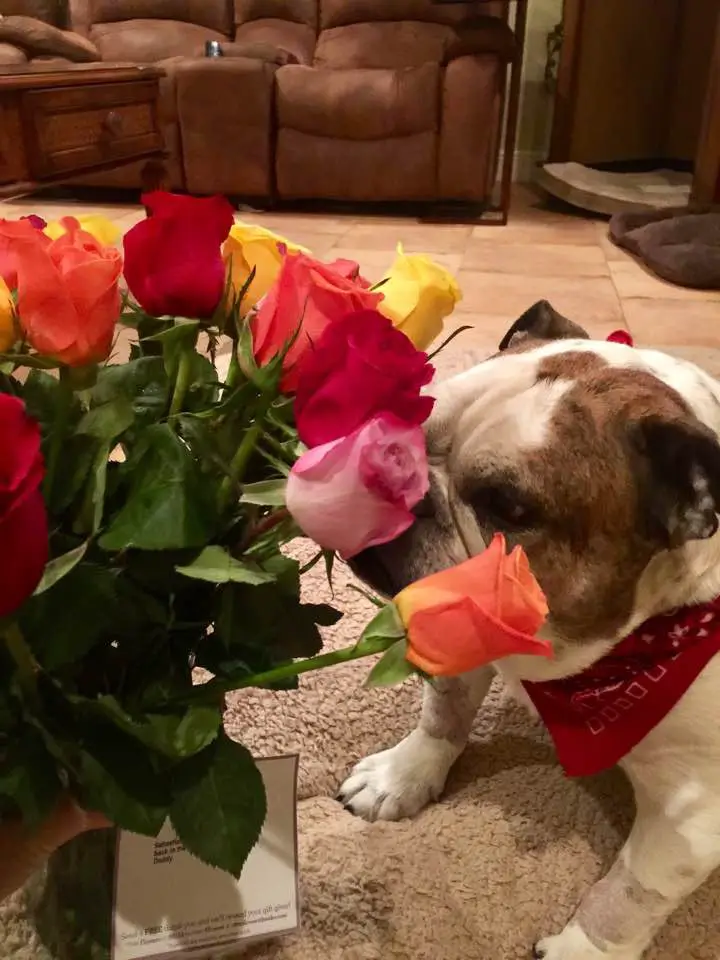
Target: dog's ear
(679, 479)
(542, 322)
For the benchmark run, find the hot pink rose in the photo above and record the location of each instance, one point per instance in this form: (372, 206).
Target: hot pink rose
(361, 367)
(359, 491)
(310, 295)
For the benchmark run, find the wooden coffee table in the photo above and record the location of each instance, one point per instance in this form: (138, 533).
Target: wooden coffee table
(57, 123)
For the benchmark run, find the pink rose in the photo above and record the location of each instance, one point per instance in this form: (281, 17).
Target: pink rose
(359, 491)
(310, 295)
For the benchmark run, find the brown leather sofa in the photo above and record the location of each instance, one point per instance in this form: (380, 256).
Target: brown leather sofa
(342, 99)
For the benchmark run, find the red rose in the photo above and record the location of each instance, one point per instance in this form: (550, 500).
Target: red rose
(173, 259)
(310, 295)
(361, 367)
(23, 521)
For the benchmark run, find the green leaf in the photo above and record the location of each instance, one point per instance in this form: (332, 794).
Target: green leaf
(323, 614)
(385, 625)
(219, 806)
(28, 775)
(170, 504)
(40, 393)
(75, 465)
(216, 565)
(264, 493)
(59, 567)
(270, 618)
(116, 778)
(65, 621)
(392, 668)
(175, 736)
(108, 420)
(93, 507)
(143, 382)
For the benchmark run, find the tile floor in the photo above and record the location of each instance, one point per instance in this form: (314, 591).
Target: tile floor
(541, 253)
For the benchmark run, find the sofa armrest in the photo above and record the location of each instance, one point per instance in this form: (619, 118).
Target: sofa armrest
(481, 36)
(470, 127)
(225, 109)
(11, 55)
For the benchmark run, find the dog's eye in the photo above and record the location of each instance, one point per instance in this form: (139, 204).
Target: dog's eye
(503, 506)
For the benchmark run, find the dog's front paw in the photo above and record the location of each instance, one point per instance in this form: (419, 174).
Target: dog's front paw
(573, 944)
(399, 782)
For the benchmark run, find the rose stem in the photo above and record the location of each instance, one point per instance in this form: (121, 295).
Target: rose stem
(238, 464)
(182, 382)
(58, 430)
(23, 659)
(365, 648)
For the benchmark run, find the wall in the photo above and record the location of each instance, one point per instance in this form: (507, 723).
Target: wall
(535, 100)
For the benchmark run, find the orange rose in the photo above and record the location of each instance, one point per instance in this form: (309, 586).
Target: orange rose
(68, 299)
(489, 607)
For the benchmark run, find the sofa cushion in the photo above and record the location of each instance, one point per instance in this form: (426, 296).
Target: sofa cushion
(297, 39)
(396, 169)
(295, 11)
(11, 55)
(145, 41)
(358, 104)
(50, 11)
(409, 43)
(213, 14)
(39, 38)
(339, 13)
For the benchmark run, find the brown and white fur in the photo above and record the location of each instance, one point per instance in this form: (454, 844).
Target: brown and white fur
(603, 461)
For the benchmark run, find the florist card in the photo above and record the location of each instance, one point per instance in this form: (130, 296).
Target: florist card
(169, 904)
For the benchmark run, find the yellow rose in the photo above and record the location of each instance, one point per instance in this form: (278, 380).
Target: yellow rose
(417, 296)
(104, 231)
(8, 330)
(250, 247)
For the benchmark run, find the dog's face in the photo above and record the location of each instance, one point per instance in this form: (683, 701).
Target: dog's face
(582, 452)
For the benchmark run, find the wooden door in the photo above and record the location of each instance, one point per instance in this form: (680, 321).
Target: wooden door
(706, 182)
(637, 81)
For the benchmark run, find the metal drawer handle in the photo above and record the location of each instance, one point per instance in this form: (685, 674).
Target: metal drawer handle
(113, 123)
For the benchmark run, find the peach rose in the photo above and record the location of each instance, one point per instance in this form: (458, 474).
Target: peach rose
(68, 299)
(489, 607)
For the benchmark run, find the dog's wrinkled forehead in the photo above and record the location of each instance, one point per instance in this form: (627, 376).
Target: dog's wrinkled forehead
(532, 399)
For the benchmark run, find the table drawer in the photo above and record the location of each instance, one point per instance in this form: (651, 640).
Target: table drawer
(90, 125)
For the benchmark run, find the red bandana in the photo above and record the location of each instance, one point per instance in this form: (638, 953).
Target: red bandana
(596, 717)
(621, 336)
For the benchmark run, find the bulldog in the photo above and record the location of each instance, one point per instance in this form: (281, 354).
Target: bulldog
(602, 460)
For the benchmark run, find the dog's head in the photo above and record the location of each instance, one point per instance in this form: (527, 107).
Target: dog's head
(595, 457)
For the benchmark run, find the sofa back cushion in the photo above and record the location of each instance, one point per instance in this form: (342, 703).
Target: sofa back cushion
(49, 11)
(213, 14)
(340, 13)
(296, 11)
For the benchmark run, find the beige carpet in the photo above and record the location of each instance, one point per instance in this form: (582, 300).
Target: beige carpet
(501, 861)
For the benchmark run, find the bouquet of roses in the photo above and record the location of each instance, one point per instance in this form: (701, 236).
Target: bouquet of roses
(145, 505)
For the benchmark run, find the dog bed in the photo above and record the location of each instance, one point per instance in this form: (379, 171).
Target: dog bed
(677, 245)
(502, 860)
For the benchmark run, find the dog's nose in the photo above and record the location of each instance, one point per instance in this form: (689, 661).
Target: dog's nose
(425, 508)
